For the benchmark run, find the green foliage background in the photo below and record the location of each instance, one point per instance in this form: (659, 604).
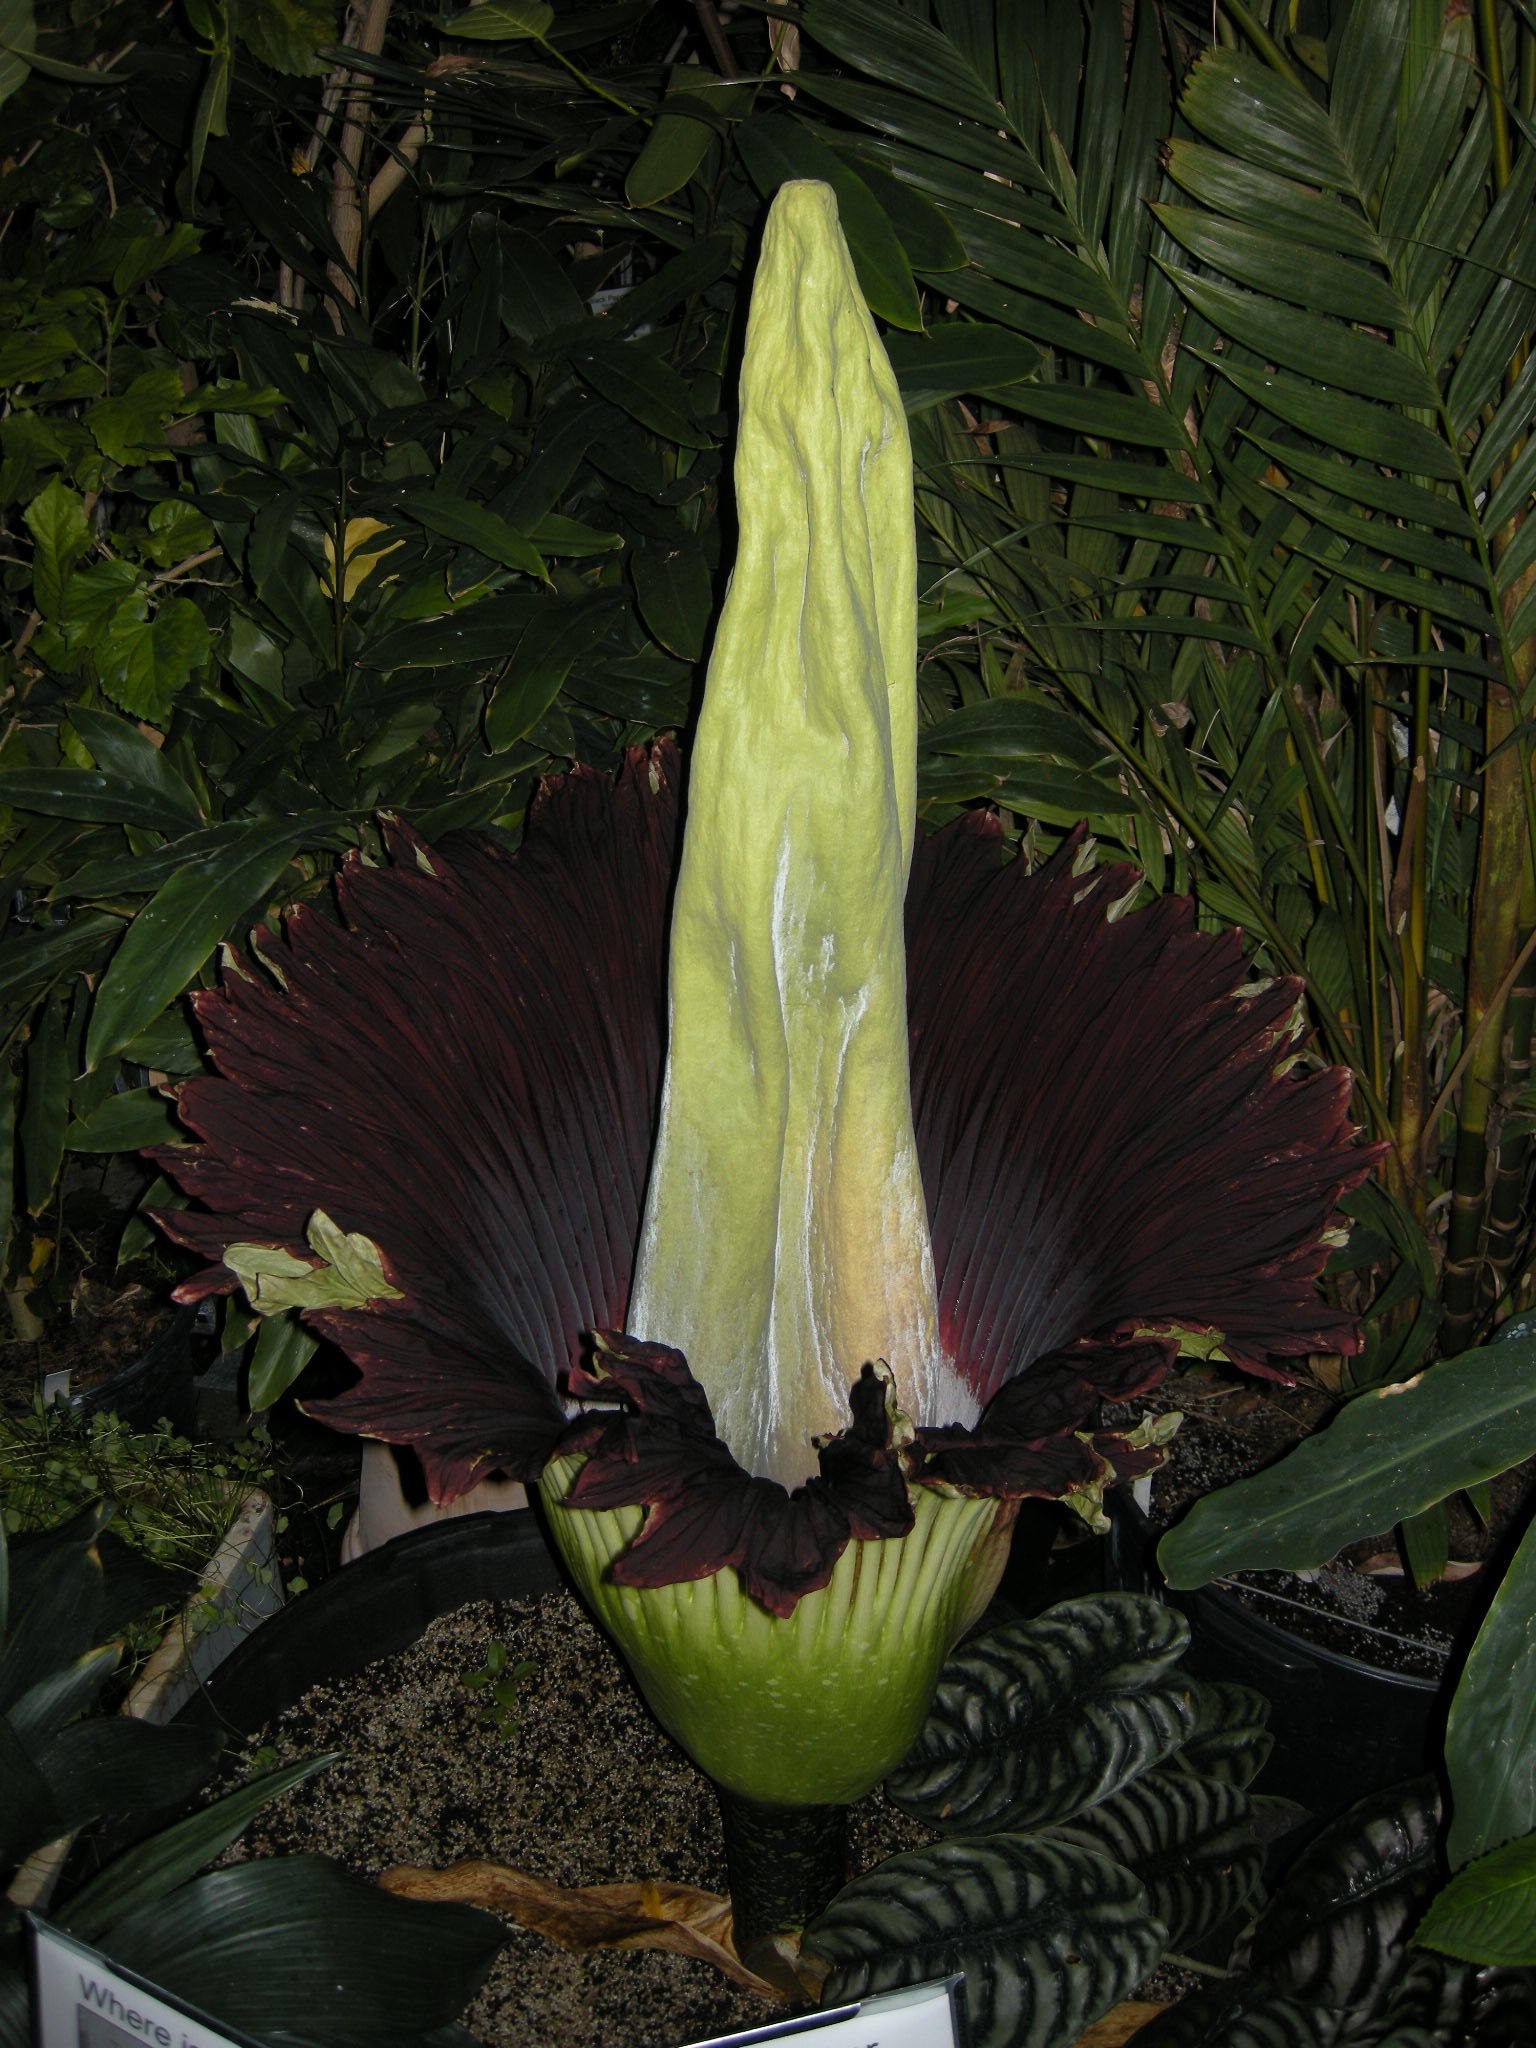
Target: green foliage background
(362, 450)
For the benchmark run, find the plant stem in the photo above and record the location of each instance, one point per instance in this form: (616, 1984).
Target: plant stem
(785, 1865)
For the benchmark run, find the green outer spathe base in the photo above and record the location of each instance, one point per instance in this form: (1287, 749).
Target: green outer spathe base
(818, 1707)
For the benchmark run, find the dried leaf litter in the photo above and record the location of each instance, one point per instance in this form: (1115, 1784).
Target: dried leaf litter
(581, 1787)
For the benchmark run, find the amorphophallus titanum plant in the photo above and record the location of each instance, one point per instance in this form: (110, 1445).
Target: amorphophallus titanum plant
(934, 1138)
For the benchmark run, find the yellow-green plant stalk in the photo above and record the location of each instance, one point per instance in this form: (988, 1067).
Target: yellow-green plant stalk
(785, 1240)
(786, 1235)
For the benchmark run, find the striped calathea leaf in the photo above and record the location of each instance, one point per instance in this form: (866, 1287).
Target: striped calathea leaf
(1074, 1730)
(1048, 1935)
(899, 1161)
(1331, 1957)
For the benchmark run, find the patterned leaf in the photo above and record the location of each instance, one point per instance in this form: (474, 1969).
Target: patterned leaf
(1189, 1839)
(1336, 1931)
(1037, 1720)
(1049, 1936)
(1231, 1742)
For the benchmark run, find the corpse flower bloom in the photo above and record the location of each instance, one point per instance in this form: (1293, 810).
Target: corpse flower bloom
(900, 1131)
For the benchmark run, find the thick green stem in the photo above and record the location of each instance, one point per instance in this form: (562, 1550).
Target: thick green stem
(785, 1864)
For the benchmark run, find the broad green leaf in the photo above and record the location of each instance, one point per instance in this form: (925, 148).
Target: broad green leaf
(1007, 730)
(570, 539)
(646, 388)
(177, 930)
(779, 148)
(124, 1123)
(131, 428)
(536, 295)
(556, 635)
(697, 107)
(893, 46)
(926, 234)
(18, 37)
(1487, 1913)
(1319, 347)
(85, 793)
(958, 357)
(152, 1868)
(144, 663)
(675, 596)
(1266, 261)
(44, 1106)
(1490, 1736)
(357, 1964)
(475, 526)
(61, 534)
(289, 35)
(1237, 101)
(1294, 210)
(1388, 1454)
(120, 749)
(500, 21)
(1353, 424)
(283, 1348)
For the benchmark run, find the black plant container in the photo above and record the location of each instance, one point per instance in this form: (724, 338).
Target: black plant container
(158, 1384)
(1342, 1727)
(374, 1608)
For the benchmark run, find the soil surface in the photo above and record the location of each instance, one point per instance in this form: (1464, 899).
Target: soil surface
(582, 1787)
(1363, 1604)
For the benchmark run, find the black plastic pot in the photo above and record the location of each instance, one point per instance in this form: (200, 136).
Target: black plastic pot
(1342, 1727)
(374, 1608)
(159, 1383)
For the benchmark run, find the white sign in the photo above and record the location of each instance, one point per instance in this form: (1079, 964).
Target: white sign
(920, 2016)
(82, 2001)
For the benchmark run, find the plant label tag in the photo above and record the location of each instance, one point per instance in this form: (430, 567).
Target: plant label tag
(918, 2016)
(81, 2000)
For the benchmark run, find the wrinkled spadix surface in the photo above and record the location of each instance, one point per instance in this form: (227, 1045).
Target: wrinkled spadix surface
(785, 1239)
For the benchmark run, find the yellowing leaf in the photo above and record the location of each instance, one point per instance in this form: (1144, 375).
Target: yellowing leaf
(359, 559)
(350, 1273)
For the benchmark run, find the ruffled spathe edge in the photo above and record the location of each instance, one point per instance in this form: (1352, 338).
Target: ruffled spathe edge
(1115, 1139)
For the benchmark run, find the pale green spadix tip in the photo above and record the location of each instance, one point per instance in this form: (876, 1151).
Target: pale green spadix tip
(785, 1239)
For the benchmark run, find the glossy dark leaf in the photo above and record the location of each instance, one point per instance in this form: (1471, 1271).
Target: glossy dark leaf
(1231, 1741)
(109, 1764)
(902, 51)
(178, 929)
(956, 357)
(648, 389)
(88, 793)
(1048, 1936)
(1037, 1720)
(357, 1963)
(150, 1869)
(1335, 1932)
(1490, 1737)
(559, 632)
(475, 526)
(676, 596)
(1391, 1452)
